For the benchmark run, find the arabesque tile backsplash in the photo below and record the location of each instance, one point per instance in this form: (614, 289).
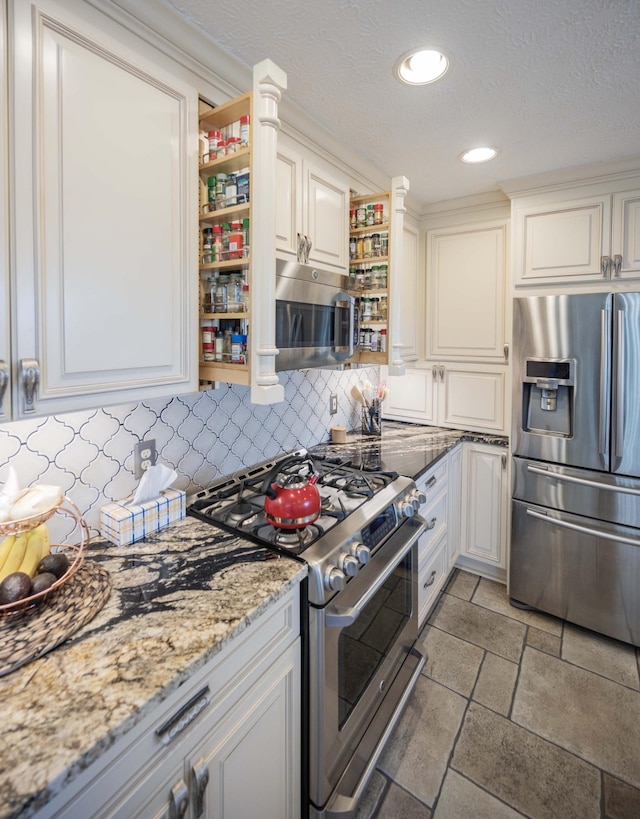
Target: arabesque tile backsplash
(201, 435)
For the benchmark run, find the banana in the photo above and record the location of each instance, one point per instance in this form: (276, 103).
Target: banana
(44, 538)
(5, 548)
(16, 556)
(38, 540)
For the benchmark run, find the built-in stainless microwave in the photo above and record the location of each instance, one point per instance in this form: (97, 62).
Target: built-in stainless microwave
(316, 319)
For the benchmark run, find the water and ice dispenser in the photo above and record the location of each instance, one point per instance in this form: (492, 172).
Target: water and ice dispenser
(547, 396)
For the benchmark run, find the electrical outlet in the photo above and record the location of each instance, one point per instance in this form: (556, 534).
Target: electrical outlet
(145, 455)
(333, 404)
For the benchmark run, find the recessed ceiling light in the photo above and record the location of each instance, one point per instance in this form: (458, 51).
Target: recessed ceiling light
(476, 155)
(421, 66)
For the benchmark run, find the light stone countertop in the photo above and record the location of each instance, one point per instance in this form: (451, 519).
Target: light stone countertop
(177, 599)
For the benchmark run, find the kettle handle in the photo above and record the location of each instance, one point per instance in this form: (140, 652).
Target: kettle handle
(267, 488)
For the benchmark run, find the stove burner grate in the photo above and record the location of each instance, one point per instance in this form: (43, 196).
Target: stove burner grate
(294, 539)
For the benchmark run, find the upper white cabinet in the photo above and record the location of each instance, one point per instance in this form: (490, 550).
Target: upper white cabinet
(5, 322)
(466, 284)
(311, 210)
(104, 201)
(594, 237)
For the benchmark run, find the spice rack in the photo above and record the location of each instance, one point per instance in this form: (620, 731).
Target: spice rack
(369, 271)
(225, 358)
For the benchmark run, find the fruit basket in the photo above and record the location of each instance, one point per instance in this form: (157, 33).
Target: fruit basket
(74, 553)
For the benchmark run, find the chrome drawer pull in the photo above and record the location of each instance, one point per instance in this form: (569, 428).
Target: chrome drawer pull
(432, 523)
(178, 800)
(431, 580)
(430, 483)
(199, 782)
(177, 723)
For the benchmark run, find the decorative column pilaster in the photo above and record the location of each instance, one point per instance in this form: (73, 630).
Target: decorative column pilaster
(399, 190)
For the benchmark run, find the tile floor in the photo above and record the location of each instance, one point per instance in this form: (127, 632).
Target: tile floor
(515, 714)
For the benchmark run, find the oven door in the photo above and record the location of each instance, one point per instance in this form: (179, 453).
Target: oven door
(362, 667)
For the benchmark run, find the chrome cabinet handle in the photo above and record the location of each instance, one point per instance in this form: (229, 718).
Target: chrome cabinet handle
(620, 387)
(434, 372)
(559, 476)
(29, 377)
(605, 262)
(199, 782)
(617, 264)
(430, 483)
(603, 408)
(441, 371)
(431, 580)
(506, 352)
(503, 459)
(178, 800)
(181, 720)
(431, 524)
(585, 530)
(4, 383)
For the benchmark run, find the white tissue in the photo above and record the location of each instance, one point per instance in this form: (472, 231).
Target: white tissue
(154, 480)
(9, 493)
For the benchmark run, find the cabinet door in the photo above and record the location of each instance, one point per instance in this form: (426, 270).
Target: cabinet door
(466, 273)
(326, 215)
(484, 504)
(563, 243)
(5, 323)
(288, 202)
(253, 755)
(626, 233)
(106, 154)
(453, 497)
(472, 397)
(411, 397)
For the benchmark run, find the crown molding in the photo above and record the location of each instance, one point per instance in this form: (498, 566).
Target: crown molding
(574, 177)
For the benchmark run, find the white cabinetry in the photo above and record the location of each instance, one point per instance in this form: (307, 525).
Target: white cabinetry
(104, 203)
(594, 237)
(5, 323)
(460, 396)
(483, 506)
(227, 744)
(311, 203)
(433, 558)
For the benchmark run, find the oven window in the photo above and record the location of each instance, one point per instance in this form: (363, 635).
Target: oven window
(363, 646)
(304, 325)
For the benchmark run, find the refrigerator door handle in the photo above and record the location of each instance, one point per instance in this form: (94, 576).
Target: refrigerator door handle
(619, 401)
(604, 379)
(586, 530)
(622, 490)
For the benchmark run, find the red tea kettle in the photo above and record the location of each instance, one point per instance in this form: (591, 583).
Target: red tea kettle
(292, 500)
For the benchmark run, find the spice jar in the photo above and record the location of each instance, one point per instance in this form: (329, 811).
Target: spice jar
(378, 213)
(384, 244)
(233, 144)
(245, 237)
(236, 240)
(244, 131)
(383, 311)
(219, 346)
(215, 138)
(217, 243)
(365, 308)
(221, 191)
(360, 279)
(367, 244)
(360, 247)
(382, 341)
(369, 215)
(375, 309)
(361, 216)
(376, 245)
(353, 248)
(231, 190)
(211, 194)
(207, 342)
(367, 279)
(245, 297)
(368, 332)
(353, 218)
(383, 276)
(207, 245)
(234, 293)
(220, 296)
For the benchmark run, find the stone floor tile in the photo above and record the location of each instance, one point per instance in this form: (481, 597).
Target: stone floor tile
(372, 796)
(593, 717)
(544, 641)
(461, 799)
(398, 804)
(451, 661)
(462, 584)
(480, 626)
(417, 752)
(605, 656)
(621, 801)
(496, 684)
(493, 596)
(531, 775)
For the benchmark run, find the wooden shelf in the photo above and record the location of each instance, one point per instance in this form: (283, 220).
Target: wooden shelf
(230, 316)
(370, 261)
(221, 371)
(230, 264)
(367, 357)
(232, 214)
(370, 198)
(227, 164)
(228, 112)
(369, 229)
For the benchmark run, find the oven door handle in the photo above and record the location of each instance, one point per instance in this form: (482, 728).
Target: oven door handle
(344, 616)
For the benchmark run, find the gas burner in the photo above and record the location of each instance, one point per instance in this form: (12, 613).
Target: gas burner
(333, 507)
(294, 539)
(240, 512)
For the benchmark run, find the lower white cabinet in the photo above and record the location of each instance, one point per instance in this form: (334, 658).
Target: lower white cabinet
(483, 509)
(227, 744)
(459, 396)
(433, 560)
(454, 487)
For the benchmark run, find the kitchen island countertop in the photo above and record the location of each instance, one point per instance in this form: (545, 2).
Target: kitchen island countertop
(408, 449)
(177, 599)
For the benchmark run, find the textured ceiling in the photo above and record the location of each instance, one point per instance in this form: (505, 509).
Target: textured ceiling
(552, 83)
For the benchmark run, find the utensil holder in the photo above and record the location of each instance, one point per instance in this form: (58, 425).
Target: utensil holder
(371, 423)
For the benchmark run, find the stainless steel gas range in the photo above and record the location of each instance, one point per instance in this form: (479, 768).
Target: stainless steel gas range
(360, 611)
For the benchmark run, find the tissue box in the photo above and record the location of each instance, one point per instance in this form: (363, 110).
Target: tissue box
(126, 524)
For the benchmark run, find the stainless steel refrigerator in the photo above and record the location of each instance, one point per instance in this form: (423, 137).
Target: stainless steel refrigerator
(575, 539)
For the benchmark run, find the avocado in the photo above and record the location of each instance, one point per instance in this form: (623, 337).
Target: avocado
(55, 563)
(42, 581)
(15, 587)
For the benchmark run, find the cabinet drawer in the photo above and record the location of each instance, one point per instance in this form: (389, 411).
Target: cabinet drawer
(435, 513)
(434, 480)
(432, 574)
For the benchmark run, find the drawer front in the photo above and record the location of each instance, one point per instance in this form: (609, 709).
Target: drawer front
(431, 577)
(435, 513)
(434, 480)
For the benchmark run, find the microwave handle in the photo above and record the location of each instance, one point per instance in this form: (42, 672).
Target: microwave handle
(345, 301)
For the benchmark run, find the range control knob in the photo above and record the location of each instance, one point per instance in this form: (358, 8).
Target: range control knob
(350, 565)
(361, 552)
(334, 579)
(422, 498)
(406, 509)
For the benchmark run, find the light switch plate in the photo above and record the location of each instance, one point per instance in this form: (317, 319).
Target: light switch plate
(333, 404)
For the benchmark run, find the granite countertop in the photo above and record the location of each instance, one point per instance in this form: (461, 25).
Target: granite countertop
(177, 598)
(408, 449)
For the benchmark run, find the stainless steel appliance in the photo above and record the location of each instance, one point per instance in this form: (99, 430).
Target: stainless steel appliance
(575, 540)
(361, 612)
(316, 320)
